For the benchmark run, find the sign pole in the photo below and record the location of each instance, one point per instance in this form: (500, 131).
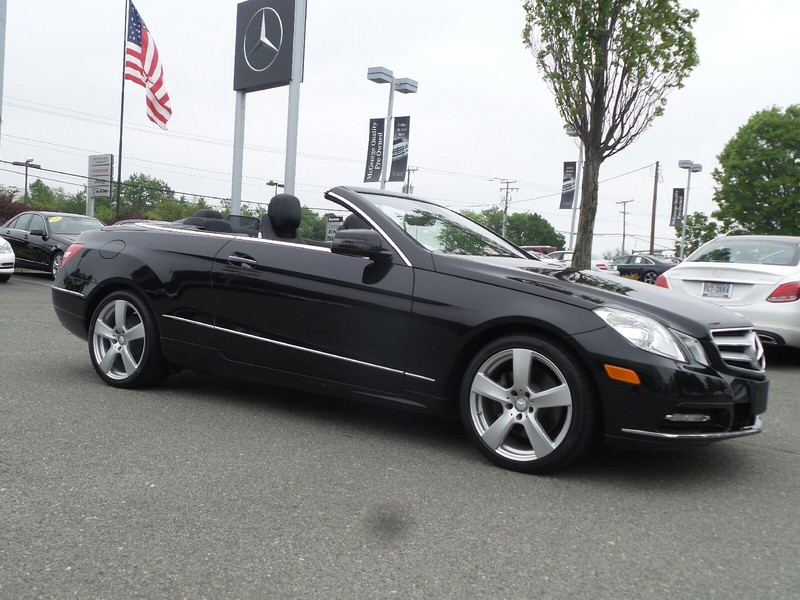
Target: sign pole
(238, 153)
(294, 96)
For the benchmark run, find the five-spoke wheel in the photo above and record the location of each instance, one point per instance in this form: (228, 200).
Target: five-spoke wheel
(650, 277)
(123, 342)
(528, 405)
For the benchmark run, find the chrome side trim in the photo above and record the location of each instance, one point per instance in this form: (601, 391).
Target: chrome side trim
(352, 207)
(295, 347)
(752, 430)
(63, 291)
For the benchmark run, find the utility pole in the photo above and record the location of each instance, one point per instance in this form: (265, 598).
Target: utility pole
(408, 188)
(624, 212)
(653, 215)
(507, 189)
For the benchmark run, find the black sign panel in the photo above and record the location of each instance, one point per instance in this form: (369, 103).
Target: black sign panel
(568, 185)
(677, 207)
(375, 150)
(264, 44)
(402, 127)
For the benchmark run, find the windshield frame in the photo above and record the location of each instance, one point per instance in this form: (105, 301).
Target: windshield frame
(440, 230)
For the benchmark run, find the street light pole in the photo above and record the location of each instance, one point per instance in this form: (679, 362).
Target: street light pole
(572, 132)
(402, 85)
(275, 184)
(691, 167)
(28, 164)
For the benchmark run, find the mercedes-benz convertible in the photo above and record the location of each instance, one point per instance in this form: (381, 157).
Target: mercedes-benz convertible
(412, 304)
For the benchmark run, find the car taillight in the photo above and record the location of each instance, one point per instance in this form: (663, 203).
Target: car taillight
(786, 292)
(602, 267)
(662, 282)
(71, 252)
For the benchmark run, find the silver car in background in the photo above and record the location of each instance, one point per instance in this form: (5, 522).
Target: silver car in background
(757, 276)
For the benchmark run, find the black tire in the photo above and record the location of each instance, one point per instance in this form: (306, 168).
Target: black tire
(55, 262)
(4, 278)
(650, 277)
(124, 344)
(542, 423)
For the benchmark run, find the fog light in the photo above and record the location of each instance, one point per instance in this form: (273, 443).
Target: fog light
(688, 418)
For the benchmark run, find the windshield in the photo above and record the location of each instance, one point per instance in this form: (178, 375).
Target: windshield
(441, 230)
(748, 251)
(67, 225)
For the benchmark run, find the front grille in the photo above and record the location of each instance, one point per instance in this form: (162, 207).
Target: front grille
(739, 348)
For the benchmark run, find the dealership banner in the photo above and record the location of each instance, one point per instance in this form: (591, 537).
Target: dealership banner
(677, 207)
(402, 126)
(568, 185)
(375, 150)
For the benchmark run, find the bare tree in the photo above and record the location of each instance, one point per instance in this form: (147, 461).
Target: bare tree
(610, 65)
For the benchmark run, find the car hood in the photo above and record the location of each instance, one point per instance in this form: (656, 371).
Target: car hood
(592, 289)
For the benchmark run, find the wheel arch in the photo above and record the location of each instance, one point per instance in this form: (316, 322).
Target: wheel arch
(500, 330)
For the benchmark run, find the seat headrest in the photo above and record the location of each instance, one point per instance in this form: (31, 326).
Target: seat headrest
(285, 214)
(353, 221)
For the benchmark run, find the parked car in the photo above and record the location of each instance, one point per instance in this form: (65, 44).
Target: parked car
(6, 260)
(40, 238)
(755, 275)
(645, 267)
(420, 308)
(564, 258)
(540, 249)
(540, 256)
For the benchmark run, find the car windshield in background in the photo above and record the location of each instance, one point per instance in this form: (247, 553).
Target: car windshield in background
(73, 225)
(440, 230)
(748, 251)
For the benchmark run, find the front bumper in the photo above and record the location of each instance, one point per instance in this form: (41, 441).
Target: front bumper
(675, 404)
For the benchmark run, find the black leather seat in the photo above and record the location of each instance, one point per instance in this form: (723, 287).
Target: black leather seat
(282, 219)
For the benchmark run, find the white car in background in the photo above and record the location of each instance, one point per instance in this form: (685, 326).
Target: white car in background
(564, 258)
(7, 259)
(757, 276)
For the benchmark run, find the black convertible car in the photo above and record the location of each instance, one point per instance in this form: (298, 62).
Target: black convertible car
(413, 304)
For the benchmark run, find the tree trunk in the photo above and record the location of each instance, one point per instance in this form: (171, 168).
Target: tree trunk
(589, 192)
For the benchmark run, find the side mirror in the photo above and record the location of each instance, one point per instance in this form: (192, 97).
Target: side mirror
(40, 232)
(366, 243)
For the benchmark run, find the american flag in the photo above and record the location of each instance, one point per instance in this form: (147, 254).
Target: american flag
(142, 66)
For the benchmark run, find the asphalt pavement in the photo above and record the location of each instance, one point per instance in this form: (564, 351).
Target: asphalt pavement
(211, 488)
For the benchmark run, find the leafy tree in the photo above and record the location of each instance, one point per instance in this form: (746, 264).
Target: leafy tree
(41, 196)
(610, 65)
(313, 225)
(759, 175)
(141, 193)
(699, 230)
(523, 229)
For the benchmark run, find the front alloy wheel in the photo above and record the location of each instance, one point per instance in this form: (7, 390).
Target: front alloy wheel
(527, 405)
(123, 342)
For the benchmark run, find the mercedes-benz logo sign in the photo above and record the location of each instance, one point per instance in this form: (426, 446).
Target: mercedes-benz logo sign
(262, 39)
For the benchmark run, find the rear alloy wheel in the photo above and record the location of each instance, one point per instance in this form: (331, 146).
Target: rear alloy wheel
(650, 277)
(124, 344)
(527, 405)
(55, 263)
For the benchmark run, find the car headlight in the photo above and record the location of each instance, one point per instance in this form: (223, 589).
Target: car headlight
(643, 332)
(4, 245)
(694, 347)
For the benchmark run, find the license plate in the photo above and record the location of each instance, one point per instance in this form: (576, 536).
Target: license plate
(717, 290)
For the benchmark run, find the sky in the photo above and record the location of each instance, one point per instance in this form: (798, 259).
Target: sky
(482, 113)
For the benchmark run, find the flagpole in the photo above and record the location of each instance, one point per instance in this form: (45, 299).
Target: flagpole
(122, 104)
